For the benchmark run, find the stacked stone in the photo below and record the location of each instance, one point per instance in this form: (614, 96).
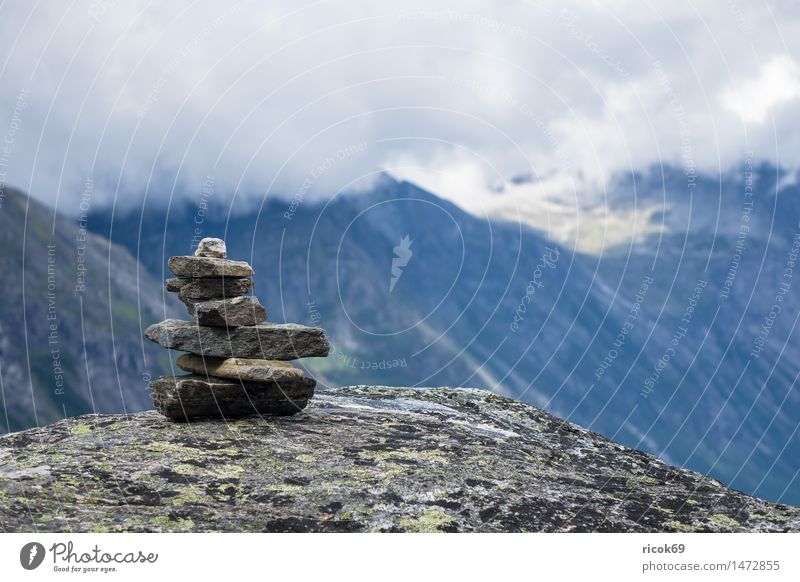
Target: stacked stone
(237, 364)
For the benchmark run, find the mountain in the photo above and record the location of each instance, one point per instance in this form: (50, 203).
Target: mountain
(650, 344)
(449, 316)
(360, 459)
(714, 347)
(70, 319)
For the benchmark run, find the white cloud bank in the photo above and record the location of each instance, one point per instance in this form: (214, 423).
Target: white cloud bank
(291, 96)
(777, 83)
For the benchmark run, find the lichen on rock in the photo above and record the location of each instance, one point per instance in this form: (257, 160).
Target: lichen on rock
(361, 458)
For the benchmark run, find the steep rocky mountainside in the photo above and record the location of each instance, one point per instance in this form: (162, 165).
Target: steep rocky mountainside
(359, 459)
(649, 344)
(71, 319)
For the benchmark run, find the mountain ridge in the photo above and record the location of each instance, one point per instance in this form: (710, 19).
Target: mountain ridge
(360, 458)
(478, 302)
(70, 326)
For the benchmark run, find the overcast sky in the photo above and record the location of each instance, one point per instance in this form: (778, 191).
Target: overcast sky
(306, 97)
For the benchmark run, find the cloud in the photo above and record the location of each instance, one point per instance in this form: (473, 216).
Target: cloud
(776, 83)
(318, 96)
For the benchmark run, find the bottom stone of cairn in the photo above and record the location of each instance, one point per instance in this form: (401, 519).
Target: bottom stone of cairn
(195, 396)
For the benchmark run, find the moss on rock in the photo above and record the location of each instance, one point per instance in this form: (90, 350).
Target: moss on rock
(362, 458)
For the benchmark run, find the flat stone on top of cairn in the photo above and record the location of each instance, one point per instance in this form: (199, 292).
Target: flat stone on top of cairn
(235, 360)
(211, 247)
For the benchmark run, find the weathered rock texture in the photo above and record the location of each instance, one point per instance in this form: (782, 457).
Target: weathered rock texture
(200, 396)
(229, 312)
(185, 266)
(359, 459)
(287, 341)
(238, 369)
(211, 288)
(211, 247)
(174, 285)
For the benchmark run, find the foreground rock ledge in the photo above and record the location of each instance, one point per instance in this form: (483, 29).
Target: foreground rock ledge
(359, 459)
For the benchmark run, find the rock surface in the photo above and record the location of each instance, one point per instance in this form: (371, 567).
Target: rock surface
(174, 285)
(211, 247)
(359, 459)
(212, 288)
(229, 312)
(238, 369)
(187, 397)
(183, 266)
(286, 341)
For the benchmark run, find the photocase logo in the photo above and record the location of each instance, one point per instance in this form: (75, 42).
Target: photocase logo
(403, 254)
(31, 555)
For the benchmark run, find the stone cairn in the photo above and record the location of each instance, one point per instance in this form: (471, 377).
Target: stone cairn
(236, 363)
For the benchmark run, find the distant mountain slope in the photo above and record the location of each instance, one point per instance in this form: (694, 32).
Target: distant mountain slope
(70, 339)
(446, 321)
(638, 344)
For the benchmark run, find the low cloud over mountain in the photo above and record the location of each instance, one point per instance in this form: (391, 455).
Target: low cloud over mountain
(155, 99)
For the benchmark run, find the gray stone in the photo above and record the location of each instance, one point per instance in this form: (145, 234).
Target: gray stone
(174, 285)
(239, 369)
(363, 458)
(190, 303)
(286, 341)
(211, 247)
(200, 396)
(193, 267)
(229, 312)
(214, 288)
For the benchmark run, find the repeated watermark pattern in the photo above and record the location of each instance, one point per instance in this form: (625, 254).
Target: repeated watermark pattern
(343, 358)
(525, 109)
(540, 329)
(741, 21)
(53, 336)
(184, 52)
(569, 20)
(100, 8)
(744, 228)
(548, 260)
(627, 327)
(457, 16)
(785, 285)
(206, 193)
(82, 236)
(680, 333)
(684, 129)
(7, 147)
(318, 171)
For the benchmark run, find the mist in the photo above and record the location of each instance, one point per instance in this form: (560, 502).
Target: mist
(317, 98)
